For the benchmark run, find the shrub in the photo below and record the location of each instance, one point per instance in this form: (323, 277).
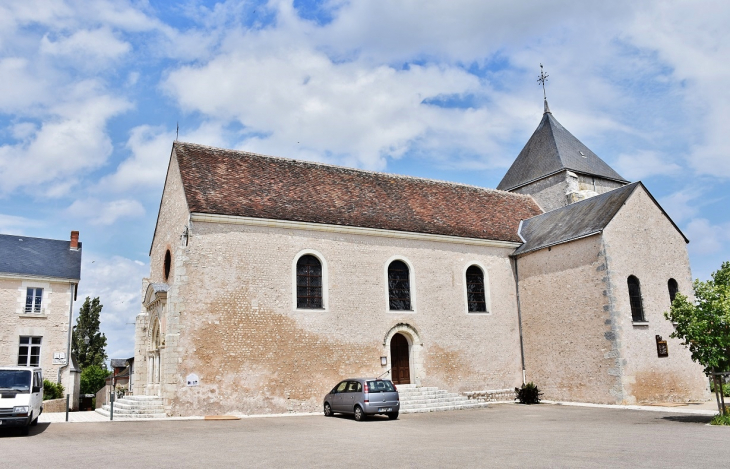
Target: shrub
(93, 378)
(52, 390)
(528, 394)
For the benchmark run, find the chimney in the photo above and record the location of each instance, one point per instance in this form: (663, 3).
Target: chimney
(75, 240)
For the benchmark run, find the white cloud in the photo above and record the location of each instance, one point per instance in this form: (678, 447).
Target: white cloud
(71, 139)
(683, 204)
(692, 39)
(301, 104)
(117, 281)
(105, 213)
(645, 163)
(146, 168)
(86, 46)
(11, 224)
(20, 87)
(706, 238)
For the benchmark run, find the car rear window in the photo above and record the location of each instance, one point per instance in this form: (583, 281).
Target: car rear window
(381, 385)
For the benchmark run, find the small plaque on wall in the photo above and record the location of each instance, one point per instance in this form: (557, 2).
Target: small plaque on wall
(192, 379)
(661, 347)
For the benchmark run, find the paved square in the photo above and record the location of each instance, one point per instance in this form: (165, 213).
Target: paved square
(499, 436)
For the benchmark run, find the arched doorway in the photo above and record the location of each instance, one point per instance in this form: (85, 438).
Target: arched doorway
(400, 360)
(153, 359)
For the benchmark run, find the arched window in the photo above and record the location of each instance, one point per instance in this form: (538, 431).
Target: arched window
(309, 282)
(673, 289)
(399, 286)
(475, 296)
(637, 309)
(168, 264)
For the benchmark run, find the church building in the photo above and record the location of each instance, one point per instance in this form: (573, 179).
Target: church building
(271, 279)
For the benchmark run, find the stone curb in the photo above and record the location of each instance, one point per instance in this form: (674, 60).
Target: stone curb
(674, 410)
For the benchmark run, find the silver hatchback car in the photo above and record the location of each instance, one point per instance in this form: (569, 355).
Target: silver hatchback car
(362, 397)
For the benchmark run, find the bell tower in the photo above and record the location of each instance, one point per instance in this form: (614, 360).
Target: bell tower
(556, 168)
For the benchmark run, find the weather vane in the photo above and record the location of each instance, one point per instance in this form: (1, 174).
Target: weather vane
(542, 79)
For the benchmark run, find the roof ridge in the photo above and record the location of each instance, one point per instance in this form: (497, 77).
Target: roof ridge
(353, 170)
(36, 237)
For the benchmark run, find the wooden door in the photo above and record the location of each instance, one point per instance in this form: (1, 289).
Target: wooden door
(400, 368)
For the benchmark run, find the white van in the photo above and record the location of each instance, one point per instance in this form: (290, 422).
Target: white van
(21, 396)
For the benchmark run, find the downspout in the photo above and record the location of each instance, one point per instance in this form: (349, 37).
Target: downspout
(519, 321)
(519, 309)
(70, 331)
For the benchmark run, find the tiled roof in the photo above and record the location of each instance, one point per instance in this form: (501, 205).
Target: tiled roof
(40, 257)
(577, 220)
(228, 182)
(551, 149)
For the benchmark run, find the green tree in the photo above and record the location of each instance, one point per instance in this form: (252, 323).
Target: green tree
(87, 325)
(93, 378)
(704, 326)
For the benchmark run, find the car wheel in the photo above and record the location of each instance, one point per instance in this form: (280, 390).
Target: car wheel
(327, 410)
(359, 415)
(34, 422)
(393, 415)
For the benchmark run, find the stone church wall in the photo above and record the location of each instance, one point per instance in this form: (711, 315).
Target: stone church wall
(549, 193)
(171, 223)
(570, 352)
(641, 241)
(254, 352)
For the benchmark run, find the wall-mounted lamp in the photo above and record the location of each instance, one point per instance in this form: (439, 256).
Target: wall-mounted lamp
(383, 361)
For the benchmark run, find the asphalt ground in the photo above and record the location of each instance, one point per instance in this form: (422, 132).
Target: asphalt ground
(499, 436)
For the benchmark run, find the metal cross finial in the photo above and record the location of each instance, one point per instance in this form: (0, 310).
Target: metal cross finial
(177, 128)
(542, 79)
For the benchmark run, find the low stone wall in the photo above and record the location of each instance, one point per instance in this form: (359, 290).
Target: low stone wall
(54, 405)
(494, 395)
(102, 396)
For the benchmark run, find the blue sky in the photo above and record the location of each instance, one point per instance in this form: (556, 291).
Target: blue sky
(91, 92)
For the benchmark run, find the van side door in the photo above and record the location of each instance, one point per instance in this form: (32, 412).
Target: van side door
(36, 396)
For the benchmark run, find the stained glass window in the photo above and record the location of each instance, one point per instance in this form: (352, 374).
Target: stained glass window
(309, 282)
(475, 295)
(399, 286)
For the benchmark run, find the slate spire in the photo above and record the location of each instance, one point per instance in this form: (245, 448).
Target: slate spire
(550, 150)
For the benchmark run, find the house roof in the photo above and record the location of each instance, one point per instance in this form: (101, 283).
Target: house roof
(552, 149)
(577, 220)
(39, 257)
(118, 362)
(238, 183)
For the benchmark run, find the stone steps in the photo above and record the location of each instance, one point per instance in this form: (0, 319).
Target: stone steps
(135, 407)
(415, 399)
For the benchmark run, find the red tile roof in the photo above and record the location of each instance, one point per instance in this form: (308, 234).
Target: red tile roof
(229, 182)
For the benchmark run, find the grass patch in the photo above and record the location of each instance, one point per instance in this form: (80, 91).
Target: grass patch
(721, 419)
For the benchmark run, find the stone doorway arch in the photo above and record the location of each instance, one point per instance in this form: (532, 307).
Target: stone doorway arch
(413, 348)
(154, 372)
